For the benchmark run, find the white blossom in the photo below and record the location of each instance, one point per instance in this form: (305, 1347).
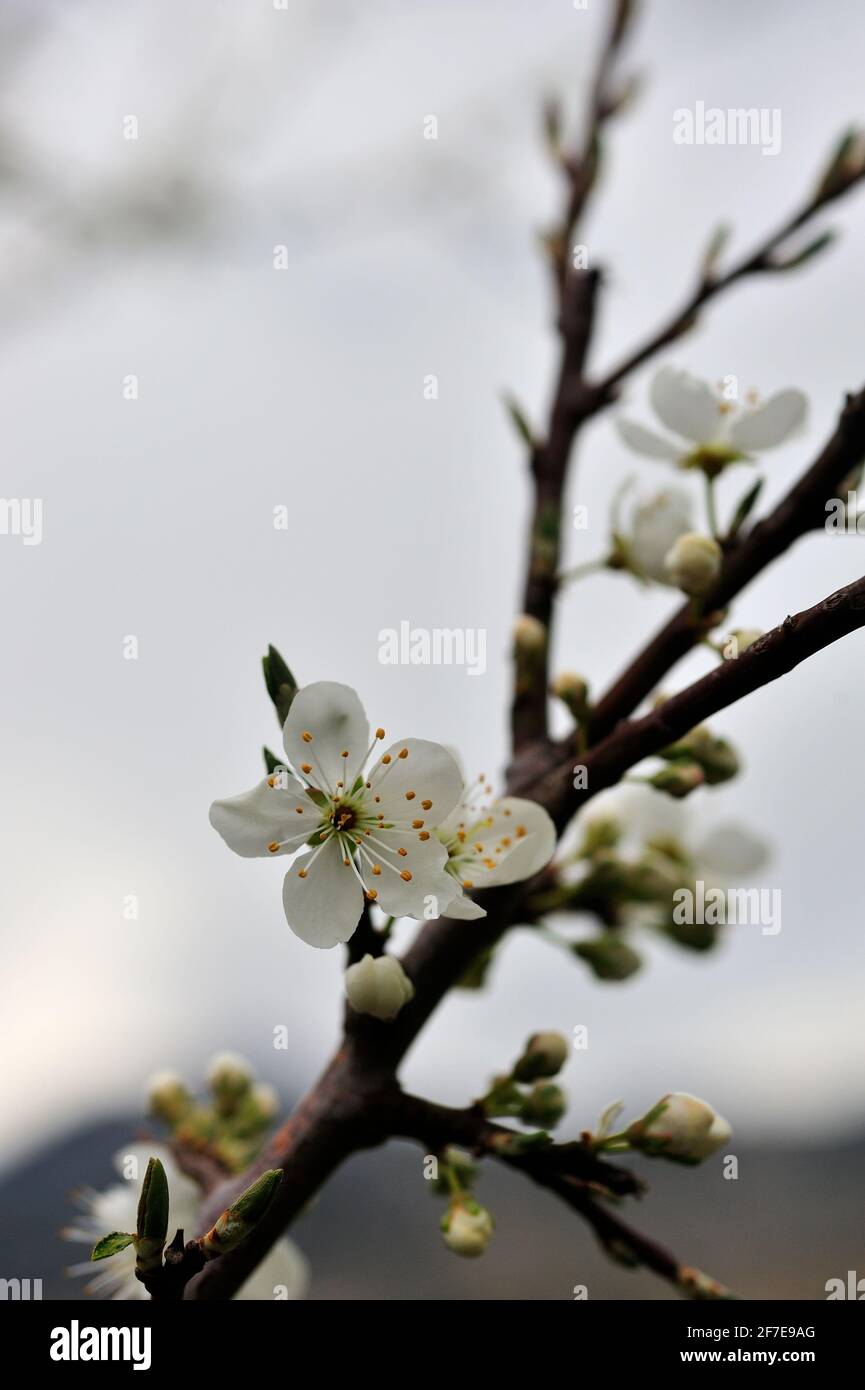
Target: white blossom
(361, 831)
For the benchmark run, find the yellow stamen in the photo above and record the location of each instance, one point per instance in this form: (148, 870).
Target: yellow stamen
(404, 874)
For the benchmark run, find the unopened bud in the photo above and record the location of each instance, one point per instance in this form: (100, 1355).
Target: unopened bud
(152, 1223)
(378, 986)
(679, 1127)
(739, 640)
(610, 958)
(693, 563)
(235, 1224)
(264, 1099)
(544, 1055)
(544, 1105)
(530, 636)
(573, 691)
(167, 1097)
(229, 1077)
(678, 779)
(467, 1228)
(601, 832)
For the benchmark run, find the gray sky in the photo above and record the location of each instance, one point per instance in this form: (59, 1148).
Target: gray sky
(260, 387)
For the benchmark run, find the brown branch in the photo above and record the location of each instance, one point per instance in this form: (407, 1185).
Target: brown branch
(437, 1126)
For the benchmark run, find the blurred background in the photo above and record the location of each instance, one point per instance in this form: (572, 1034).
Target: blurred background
(258, 387)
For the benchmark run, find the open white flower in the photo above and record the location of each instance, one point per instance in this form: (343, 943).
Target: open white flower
(116, 1209)
(504, 842)
(656, 523)
(366, 832)
(711, 430)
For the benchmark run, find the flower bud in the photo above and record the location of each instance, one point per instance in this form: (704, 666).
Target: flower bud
(601, 832)
(167, 1097)
(152, 1223)
(573, 691)
(235, 1224)
(678, 779)
(530, 636)
(264, 1099)
(467, 1228)
(544, 1055)
(693, 563)
(378, 986)
(229, 1077)
(679, 1127)
(609, 957)
(544, 1105)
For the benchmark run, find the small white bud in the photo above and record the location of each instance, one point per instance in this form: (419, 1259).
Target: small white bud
(167, 1096)
(744, 637)
(378, 986)
(687, 1129)
(265, 1098)
(693, 563)
(229, 1074)
(544, 1055)
(467, 1231)
(530, 635)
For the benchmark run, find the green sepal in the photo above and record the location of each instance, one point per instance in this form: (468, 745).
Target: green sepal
(281, 685)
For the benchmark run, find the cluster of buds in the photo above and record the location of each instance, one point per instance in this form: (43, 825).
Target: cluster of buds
(151, 1231)
(527, 1092)
(466, 1226)
(231, 1124)
(699, 759)
(678, 1127)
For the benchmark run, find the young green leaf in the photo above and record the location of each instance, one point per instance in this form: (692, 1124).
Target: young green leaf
(111, 1245)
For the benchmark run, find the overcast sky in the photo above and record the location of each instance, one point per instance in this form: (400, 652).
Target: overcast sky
(304, 387)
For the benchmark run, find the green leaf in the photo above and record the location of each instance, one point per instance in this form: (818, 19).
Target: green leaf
(520, 422)
(745, 507)
(271, 762)
(807, 253)
(281, 685)
(111, 1245)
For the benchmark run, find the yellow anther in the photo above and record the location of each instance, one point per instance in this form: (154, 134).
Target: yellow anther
(376, 868)
(306, 736)
(379, 733)
(273, 847)
(371, 894)
(467, 883)
(409, 796)
(424, 835)
(344, 753)
(404, 874)
(301, 873)
(417, 825)
(306, 767)
(521, 831)
(403, 852)
(427, 805)
(403, 752)
(386, 759)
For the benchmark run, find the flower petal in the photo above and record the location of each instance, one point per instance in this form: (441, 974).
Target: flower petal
(465, 909)
(732, 851)
(426, 773)
(334, 717)
(277, 810)
(657, 524)
(685, 404)
(771, 423)
(423, 861)
(323, 908)
(521, 838)
(644, 441)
